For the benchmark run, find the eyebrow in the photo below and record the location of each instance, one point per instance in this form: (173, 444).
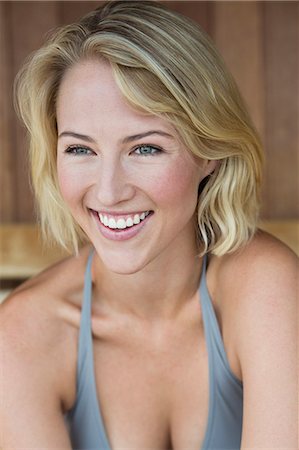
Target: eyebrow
(126, 140)
(84, 137)
(136, 137)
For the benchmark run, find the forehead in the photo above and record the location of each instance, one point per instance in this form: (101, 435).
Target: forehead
(89, 94)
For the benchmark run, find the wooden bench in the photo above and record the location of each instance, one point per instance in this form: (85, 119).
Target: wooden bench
(22, 254)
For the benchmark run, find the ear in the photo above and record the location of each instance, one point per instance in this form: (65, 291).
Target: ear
(209, 166)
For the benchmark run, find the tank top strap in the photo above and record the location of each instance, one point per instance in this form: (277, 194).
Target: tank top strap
(213, 336)
(85, 337)
(209, 316)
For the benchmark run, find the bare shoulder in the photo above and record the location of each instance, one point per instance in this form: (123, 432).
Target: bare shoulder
(39, 325)
(263, 264)
(250, 286)
(259, 312)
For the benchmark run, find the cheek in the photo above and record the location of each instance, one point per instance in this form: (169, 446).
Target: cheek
(69, 186)
(66, 187)
(176, 184)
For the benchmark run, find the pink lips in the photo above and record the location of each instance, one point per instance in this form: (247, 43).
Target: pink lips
(121, 235)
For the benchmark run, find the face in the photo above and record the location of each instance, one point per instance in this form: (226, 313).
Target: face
(126, 177)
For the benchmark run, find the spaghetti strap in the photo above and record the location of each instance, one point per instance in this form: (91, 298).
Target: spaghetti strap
(225, 417)
(85, 321)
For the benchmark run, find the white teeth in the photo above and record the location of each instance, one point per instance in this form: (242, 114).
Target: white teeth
(129, 222)
(121, 223)
(111, 223)
(136, 219)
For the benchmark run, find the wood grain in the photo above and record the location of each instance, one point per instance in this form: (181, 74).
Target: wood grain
(282, 109)
(72, 11)
(7, 169)
(197, 11)
(27, 35)
(237, 33)
(22, 253)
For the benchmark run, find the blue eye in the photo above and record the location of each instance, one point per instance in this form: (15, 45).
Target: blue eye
(79, 150)
(147, 150)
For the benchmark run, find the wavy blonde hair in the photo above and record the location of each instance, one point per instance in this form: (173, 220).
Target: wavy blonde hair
(166, 65)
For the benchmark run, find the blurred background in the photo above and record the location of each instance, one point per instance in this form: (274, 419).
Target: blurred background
(259, 41)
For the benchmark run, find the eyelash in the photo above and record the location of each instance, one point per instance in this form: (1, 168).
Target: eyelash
(74, 149)
(157, 150)
(77, 150)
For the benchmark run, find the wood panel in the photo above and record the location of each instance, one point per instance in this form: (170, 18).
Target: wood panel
(197, 11)
(22, 254)
(237, 33)
(281, 32)
(27, 35)
(72, 11)
(7, 209)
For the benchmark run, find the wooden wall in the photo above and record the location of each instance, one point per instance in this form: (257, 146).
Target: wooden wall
(258, 40)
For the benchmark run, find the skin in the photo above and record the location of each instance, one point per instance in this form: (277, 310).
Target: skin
(149, 347)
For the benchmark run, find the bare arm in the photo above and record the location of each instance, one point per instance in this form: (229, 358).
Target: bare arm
(30, 408)
(267, 347)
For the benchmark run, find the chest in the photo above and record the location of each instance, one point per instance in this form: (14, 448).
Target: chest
(153, 390)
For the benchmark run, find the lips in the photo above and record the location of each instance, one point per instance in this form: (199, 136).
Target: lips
(121, 234)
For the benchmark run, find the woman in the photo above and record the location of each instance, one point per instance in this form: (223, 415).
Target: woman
(173, 326)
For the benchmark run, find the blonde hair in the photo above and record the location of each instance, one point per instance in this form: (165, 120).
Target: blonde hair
(164, 64)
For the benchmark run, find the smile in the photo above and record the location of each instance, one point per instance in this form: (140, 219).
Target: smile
(123, 222)
(121, 227)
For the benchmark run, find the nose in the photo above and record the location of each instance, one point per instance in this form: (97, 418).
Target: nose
(114, 184)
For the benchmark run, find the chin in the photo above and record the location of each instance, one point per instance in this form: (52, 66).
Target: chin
(123, 265)
(124, 269)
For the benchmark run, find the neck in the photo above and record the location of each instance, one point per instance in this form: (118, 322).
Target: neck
(157, 292)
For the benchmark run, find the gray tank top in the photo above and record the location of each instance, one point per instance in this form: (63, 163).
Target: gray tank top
(224, 425)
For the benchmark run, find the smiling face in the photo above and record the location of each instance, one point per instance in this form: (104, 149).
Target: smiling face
(120, 167)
